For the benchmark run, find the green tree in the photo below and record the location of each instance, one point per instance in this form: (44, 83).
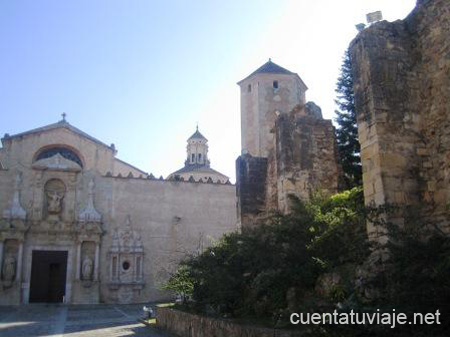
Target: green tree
(181, 283)
(347, 131)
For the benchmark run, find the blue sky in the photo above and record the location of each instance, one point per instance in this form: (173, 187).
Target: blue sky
(141, 74)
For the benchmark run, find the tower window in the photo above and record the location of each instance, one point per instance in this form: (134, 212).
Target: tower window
(275, 84)
(249, 88)
(193, 158)
(199, 156)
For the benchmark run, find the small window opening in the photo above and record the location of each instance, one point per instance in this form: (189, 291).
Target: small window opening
(249, 88)
(275, 84)
(199, 156)
(193, 157)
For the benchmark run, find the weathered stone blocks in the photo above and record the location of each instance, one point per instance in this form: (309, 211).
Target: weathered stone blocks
(302, 161)
(402, 95)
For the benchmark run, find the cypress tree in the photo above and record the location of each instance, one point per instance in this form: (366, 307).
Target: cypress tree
(347, 131)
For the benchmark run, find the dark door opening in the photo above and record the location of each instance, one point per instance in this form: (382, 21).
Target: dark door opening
(48, 276)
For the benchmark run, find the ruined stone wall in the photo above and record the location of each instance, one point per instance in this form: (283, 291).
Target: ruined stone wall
(431, 25)
(306, 157)
(303, 160)
(402, 87)
(251, 187)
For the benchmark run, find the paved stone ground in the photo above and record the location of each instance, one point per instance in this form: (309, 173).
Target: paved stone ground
(74, 321)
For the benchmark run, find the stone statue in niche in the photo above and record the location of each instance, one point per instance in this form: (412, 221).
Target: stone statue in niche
(9, 269)
(54, 191)
(54, 202)
(87, 268)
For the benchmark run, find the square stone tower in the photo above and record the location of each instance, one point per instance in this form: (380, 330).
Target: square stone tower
(266, 93)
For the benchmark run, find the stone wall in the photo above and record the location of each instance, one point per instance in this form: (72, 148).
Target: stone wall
(189, 325)
(174, 219)
(402, 94)
(303, 160)
(251, 187)
(306, 156)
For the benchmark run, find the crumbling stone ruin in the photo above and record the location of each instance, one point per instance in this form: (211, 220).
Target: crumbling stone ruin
(287, 146)
(401, 76)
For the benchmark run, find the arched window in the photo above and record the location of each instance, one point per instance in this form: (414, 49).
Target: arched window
(63, 151)
(199, 157)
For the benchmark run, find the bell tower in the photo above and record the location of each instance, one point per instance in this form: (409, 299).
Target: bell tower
(197, 167)
(265, 93)
(197, 150)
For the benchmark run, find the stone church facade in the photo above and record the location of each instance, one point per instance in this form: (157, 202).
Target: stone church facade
(78, 225)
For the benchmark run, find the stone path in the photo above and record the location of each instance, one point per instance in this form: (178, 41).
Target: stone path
(74, 321)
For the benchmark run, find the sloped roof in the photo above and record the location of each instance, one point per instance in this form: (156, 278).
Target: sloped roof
(197, 135)
(132, 166)
(270, 68)
(61, 124)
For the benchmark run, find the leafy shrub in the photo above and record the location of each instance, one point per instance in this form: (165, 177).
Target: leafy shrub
(275, 268)
(251, 273)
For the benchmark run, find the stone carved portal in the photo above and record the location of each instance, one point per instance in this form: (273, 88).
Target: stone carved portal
(126, 260)
(54, 194)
